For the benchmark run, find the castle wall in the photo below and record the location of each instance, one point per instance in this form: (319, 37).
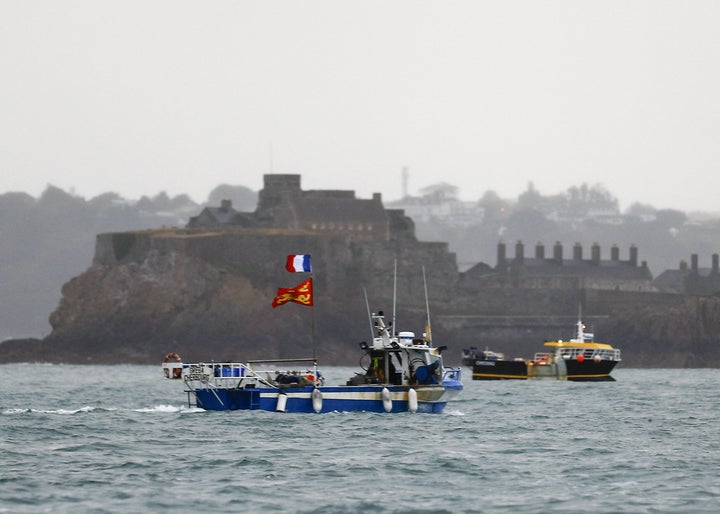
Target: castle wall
(340, 265)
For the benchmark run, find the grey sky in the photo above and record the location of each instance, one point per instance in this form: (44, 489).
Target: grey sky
(145, 96)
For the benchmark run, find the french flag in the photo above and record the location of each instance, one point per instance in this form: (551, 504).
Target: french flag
(298, 264)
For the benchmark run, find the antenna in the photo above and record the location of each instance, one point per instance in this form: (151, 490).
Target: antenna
(394, 296)
(427, 309)
(404, 181)
(367, 305)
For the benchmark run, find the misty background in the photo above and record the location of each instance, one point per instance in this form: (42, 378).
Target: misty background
(179, 96)
(47, 240)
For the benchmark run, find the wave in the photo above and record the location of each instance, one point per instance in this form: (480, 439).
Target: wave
(170, 408)
(88, 409)
(81, 410)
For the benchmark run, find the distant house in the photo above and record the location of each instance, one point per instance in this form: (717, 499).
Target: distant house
(439, 207)
(690, 280)
(214, 216)
(554, 271)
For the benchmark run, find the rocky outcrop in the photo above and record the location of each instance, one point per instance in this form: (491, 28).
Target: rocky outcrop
(685, 334)
(207, 296)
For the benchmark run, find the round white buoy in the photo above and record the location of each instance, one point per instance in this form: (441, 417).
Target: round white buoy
(412, 400)
(387, 401)
(317, 400)
(281, 403)
(597, 358)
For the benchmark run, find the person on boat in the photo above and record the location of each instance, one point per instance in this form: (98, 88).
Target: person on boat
(377, 369)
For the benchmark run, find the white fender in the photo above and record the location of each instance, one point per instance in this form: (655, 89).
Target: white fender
(412, 400)
(317, 400)
(281, 403)
(387, 401)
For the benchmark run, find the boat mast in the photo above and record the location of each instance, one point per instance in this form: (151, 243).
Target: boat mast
(580, 335)
(394, 297)
(428, 335)
(314, 357)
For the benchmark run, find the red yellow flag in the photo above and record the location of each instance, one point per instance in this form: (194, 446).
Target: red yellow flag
(301, 293)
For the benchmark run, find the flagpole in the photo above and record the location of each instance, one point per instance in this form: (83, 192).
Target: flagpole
(394, 296)
(312, 315)
(300, 263)
(428, 336)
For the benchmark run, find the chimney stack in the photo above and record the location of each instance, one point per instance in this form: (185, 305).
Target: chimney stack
(596, 254)
(558, 253)
(501, 256)
(633, 255)
(519, 251)
(577, 252)
(540, 251)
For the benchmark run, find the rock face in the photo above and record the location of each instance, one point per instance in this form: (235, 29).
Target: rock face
(207, 295)
(681, 334)
(128, 312)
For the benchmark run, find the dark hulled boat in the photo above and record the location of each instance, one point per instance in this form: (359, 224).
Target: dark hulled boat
(579, 359)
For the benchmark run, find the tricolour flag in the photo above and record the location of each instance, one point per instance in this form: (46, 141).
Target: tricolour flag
(301, 293)
(298, 263)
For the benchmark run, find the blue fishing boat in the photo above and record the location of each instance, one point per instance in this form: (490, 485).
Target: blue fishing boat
(399, 373)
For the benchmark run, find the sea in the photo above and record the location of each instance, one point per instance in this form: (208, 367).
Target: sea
(106, 439)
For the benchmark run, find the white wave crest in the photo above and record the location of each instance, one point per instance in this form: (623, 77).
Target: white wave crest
(169, 408)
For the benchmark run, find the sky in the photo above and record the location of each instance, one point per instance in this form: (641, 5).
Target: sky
(140, 97)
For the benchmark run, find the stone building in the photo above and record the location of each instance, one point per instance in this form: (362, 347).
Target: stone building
(691, 279)
(545, 270)
(216, 216)
(283, 204)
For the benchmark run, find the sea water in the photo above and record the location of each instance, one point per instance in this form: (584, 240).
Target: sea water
(79, 439)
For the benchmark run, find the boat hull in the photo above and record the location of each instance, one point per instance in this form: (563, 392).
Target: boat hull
(332, 399)
(573, 370)
(500, 370)
(590, 371)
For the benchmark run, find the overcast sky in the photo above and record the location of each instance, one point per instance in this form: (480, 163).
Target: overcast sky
(140, 97)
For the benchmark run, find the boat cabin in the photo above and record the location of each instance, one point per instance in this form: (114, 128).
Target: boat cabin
(400, 359)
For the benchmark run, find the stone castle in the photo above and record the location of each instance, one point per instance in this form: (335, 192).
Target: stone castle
(284, 205)
(205, 290)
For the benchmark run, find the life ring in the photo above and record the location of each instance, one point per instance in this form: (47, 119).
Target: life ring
(172, 357)
(311, 378)
(176, 372)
